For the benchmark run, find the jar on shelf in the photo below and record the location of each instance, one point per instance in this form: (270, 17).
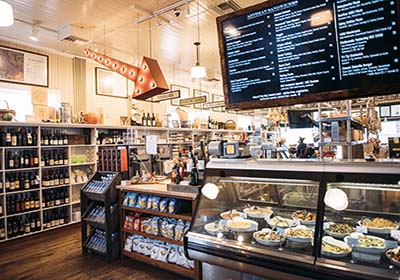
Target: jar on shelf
(65, 112)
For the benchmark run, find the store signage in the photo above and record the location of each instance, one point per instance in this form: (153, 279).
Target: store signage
(280, 53)
(167, 96)
(210, 105)
(149, 79)
(193, 100)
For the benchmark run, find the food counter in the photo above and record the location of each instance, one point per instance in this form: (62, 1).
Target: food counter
(297, 220)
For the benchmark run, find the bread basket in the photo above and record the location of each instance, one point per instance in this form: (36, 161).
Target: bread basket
(230, 124)
(5, 111)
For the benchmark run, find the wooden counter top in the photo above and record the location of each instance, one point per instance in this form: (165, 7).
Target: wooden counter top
(157, 189)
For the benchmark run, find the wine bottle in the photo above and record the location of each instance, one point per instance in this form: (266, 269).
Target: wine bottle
(29, 139)
(2, 230)
(8, 138)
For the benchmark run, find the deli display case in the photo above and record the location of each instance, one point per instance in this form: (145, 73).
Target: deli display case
(272, 219)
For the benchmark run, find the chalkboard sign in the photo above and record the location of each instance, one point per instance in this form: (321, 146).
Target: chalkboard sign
(288, 52)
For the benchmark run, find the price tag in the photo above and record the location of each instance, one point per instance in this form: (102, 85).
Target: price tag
(391, 244)
(281, 231)
(395, 234)
(362, 229)
(151, 144)
(326, 225)
(352, 241)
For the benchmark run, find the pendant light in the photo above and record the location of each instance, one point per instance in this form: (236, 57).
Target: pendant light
(197, 71)
(6, 14)
(34, 34)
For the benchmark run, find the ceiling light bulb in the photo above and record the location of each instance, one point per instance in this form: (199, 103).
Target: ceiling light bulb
(34, 34)
(198, 72)
(6, 14)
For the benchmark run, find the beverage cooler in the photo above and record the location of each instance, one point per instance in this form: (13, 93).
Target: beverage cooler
(266, 219)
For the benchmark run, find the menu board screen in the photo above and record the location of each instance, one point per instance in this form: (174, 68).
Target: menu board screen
(282, 53)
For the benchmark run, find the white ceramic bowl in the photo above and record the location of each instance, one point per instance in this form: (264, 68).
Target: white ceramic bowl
(335, 242)
(299, 239)
(268, 213)
(266, 242)
(253, 225)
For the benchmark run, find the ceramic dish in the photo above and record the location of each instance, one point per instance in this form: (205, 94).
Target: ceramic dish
(393, 256)
(304, 217)
(258, 212)
(228, 215)
(242, 225)
(378, 225)
(267, 237)
(339, 231)
(334, 248)
(299, 234)
(280, 222)
(367, 243)
(216, 227)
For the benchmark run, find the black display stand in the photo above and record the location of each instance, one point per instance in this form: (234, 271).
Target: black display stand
(110, 227)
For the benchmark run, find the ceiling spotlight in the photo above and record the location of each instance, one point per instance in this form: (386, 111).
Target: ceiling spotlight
(188, 14)
(34, 34)
(6, 14)
(159, 24)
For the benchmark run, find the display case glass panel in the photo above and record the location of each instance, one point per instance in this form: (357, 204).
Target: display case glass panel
(361, 227)
(259, 214)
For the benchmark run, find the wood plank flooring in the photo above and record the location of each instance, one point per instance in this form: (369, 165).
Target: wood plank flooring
(57, 255)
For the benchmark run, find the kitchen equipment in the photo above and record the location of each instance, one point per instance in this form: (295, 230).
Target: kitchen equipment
(215, 148)
(236, 149)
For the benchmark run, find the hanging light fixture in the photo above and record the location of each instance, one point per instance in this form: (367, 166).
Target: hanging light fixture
(6, 14)
(34, 34)
(197, 71)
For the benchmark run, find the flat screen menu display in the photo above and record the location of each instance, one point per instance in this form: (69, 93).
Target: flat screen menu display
(288, 52)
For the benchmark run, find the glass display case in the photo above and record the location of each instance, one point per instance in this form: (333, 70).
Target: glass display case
(299, 219)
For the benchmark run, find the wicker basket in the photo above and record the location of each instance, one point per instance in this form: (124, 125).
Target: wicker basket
(5, 111)
(230, 124)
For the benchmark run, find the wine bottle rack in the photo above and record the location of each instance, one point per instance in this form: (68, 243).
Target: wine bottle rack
(82, 149)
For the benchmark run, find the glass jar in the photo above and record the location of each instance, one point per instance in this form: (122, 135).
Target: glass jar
(65, 112)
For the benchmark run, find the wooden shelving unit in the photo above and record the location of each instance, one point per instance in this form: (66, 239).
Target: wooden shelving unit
(161, 191)
(152, 236)
(168, 266)
(186, 217)
(73, 149)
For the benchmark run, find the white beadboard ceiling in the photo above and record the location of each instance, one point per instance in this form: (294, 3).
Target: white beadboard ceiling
(112, 27)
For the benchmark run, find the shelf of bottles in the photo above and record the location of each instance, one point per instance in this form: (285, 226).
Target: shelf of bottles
(39, 168)
(44, 166)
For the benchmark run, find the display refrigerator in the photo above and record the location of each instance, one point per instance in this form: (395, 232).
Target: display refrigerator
(297, 219)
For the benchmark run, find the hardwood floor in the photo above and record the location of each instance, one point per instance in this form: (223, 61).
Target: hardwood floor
(57, 255)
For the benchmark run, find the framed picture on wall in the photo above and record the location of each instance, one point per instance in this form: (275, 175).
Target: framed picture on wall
(197, 93)
(395, 110)
(110, 83)
(185, 93)
(23, 67)
(384, 111)
(216, 98)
